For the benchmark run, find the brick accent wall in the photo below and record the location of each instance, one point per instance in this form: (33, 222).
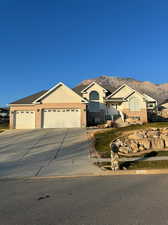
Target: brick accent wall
(40, 107)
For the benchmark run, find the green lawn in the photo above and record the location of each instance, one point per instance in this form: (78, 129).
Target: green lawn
(136, 165)
(148, 154)
(161, 164)
(102, 140)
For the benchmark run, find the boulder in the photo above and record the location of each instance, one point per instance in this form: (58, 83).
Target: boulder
(145, 142)
(165, 138)
(157, 143)
(141, 148)
(134, 147)
(124, 150)
(135, 136)
(164, 130)
(153, 133)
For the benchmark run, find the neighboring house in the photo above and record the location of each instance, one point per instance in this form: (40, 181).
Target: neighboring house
(58, 107)
(91, 104)
(163, 110)
(4, 114)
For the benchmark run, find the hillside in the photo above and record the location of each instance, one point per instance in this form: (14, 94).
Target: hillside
(157, 91)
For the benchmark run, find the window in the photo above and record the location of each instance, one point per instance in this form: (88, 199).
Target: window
(94, 95)
(134, 104)
(94, 107)
(150, 105)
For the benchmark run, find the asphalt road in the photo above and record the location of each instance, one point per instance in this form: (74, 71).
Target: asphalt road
(44, 152)
(112, 200)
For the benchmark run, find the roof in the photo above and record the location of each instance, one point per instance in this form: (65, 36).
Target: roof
(164, 102)
(29, 99)
(78, 89)
(4, 109)
(54, 88)
(32, 99)
(122, 86)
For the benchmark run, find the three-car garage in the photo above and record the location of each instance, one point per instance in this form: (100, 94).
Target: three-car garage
(50, 118)
(59, 107)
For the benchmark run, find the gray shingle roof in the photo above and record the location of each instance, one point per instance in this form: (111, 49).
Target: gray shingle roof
(29, 99)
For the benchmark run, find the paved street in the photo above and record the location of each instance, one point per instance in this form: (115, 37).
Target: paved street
(45, 152)
(112, 200)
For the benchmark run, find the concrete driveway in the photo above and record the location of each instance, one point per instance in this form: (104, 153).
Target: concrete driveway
(45, 152)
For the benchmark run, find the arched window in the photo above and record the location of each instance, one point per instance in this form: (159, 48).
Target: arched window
(134, 104)
(94, 95)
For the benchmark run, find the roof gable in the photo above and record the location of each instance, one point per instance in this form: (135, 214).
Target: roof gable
(149, 98)
(60, 93)
(129, 91)
(92, 84)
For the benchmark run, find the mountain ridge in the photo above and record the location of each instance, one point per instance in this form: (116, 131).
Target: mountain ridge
(157, 91)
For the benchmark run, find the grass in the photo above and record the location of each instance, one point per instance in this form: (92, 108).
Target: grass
(148, 154)
(160, 164)
(137, 165)
(102, 140)
(156, 153)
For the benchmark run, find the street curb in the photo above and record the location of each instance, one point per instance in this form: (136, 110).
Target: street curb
(101, 174)
(110, 173)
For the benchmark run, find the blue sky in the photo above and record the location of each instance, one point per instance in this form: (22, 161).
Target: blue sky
(43, 42)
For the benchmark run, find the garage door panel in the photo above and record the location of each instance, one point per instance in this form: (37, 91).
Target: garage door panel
(61, 118)
(24, 119)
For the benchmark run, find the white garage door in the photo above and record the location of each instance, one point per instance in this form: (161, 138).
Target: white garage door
(24, 119)
(61, 118)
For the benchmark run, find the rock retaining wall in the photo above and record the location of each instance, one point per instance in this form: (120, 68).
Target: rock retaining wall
(143, 140)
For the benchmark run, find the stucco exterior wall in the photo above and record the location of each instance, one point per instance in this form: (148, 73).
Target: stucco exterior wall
(38, 109)
(62, 94)
(97, 88)
(101, 92)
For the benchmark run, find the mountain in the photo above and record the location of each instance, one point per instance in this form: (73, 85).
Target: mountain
(157, 91)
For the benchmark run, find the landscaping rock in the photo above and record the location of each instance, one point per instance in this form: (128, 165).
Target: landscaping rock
(153, 133)
(134, 147)
(135, 136)
(145, 142)
(141, 148)
(124, 150)
(157, 143)
(142, 140)
(165, 138)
